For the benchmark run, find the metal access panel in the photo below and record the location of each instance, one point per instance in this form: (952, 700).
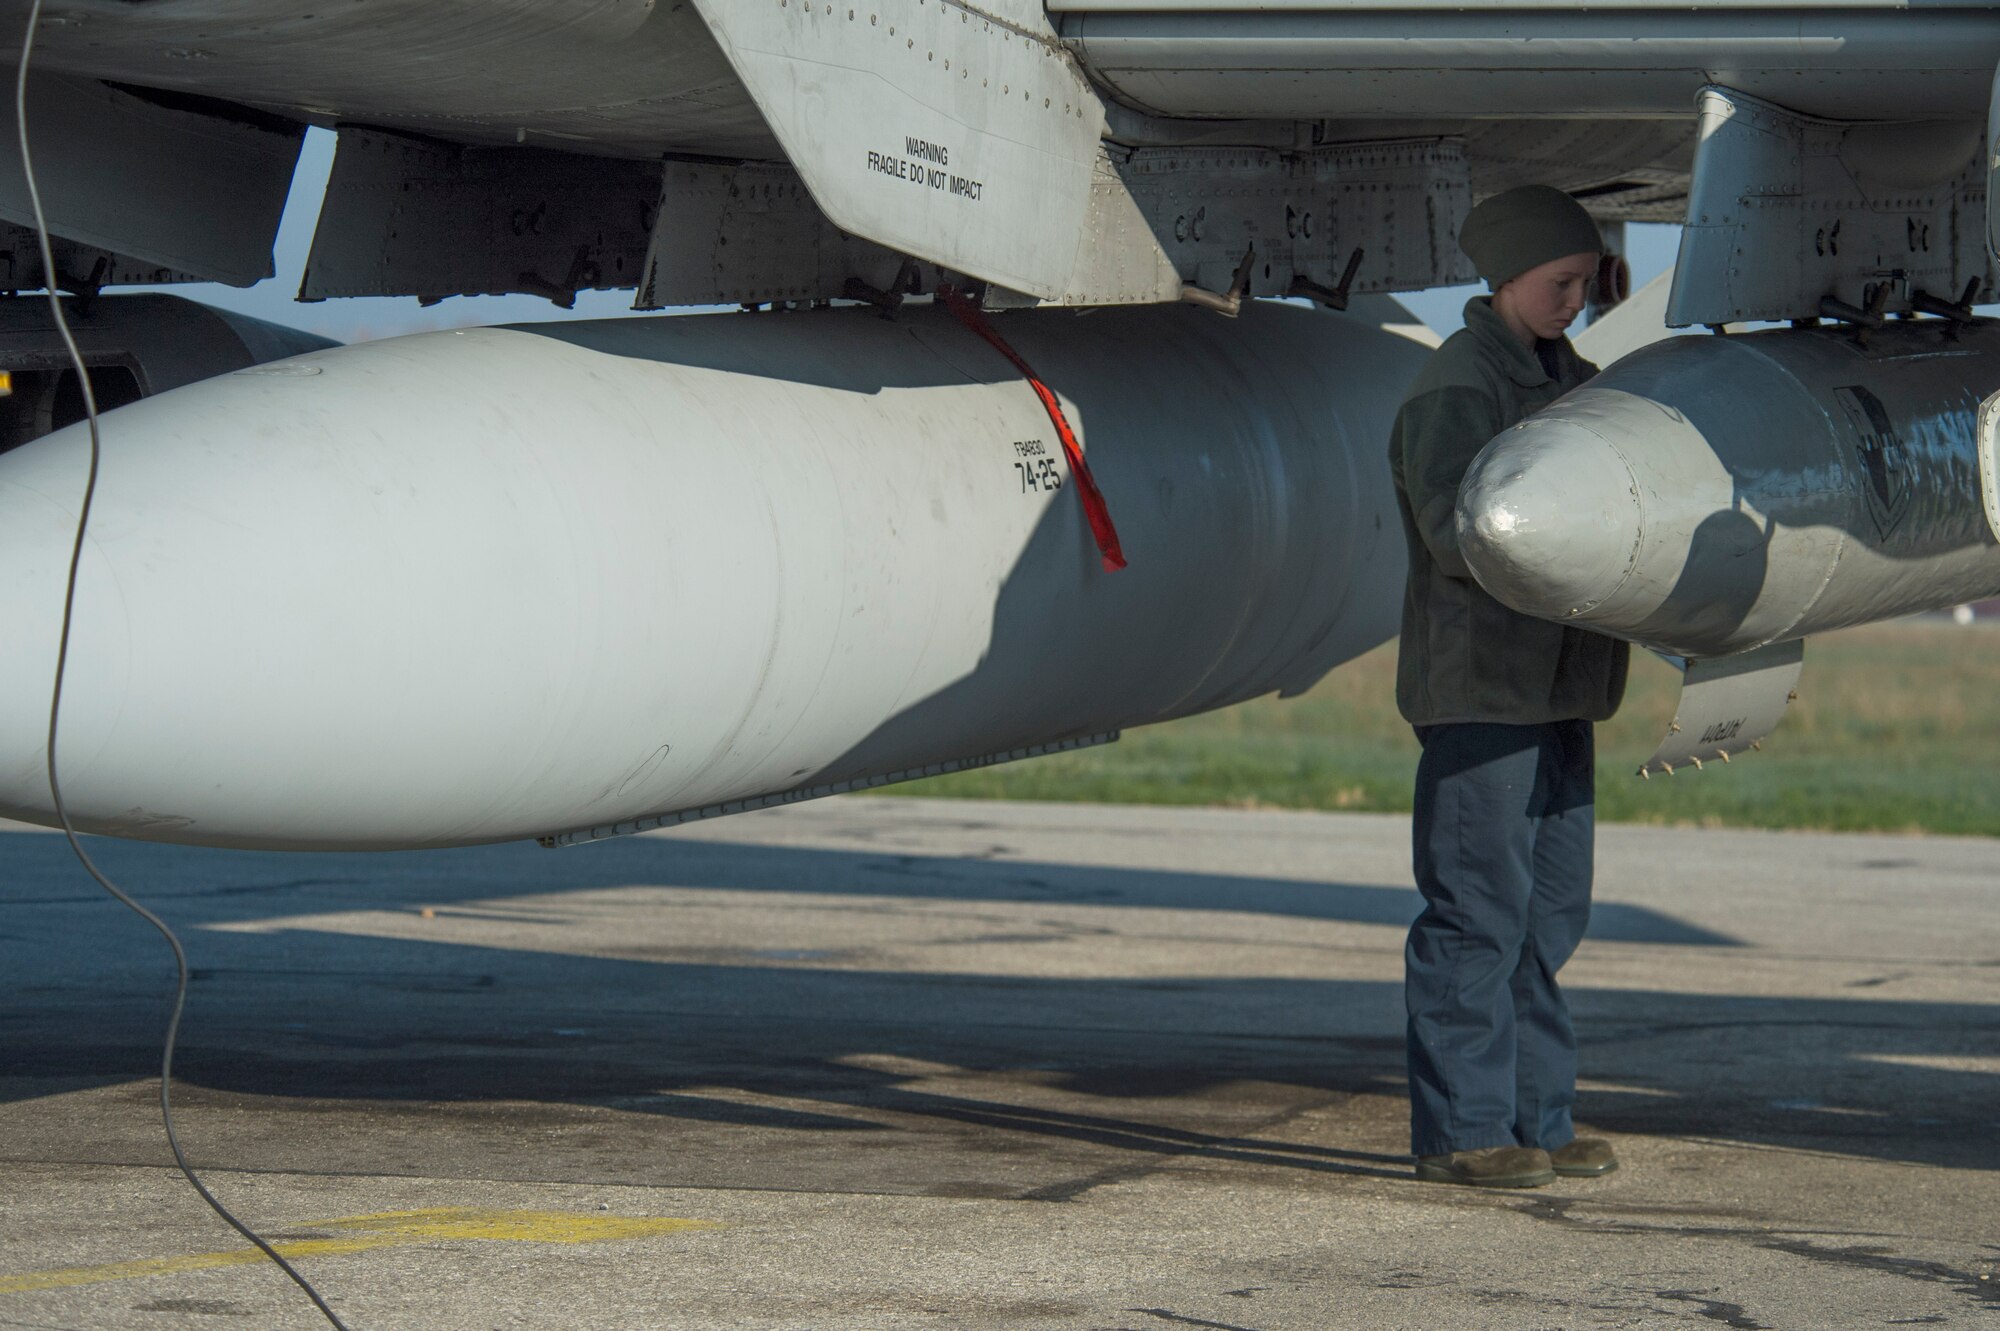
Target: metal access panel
(1786, 210)
(408, 216)
(962, 135)
(142, 190)
(1306, 213)
(750, 233)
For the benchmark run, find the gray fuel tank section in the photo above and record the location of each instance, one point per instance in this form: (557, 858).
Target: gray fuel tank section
(1706, 496)
(581, 578)
(135, 345)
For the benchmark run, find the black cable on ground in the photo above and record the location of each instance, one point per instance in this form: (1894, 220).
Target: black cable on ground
(62, 662)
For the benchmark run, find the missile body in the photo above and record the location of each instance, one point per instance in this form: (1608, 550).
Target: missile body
(1708, 495)
(580, 578)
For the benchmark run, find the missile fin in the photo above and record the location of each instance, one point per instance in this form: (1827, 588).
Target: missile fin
(1729, 704)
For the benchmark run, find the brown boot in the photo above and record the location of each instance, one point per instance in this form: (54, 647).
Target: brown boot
(1489, 1167)
(1584, 1157)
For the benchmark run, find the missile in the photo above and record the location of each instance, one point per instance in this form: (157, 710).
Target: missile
(1709, 496)
(569, 580)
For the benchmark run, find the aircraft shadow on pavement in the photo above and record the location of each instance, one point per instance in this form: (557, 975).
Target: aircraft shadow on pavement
(43, 872)
(1145, 1066)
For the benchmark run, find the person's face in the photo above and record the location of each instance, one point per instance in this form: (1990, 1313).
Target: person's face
(1544, 301)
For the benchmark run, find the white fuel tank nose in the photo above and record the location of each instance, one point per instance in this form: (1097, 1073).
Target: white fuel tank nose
(1549, 518)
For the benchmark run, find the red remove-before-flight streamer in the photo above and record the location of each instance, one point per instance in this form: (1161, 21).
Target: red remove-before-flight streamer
(1094, 510)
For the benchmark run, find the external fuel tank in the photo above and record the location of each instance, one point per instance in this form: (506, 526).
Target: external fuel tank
(574, 579)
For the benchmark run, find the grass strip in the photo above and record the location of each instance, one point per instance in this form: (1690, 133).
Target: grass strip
(1897, 728)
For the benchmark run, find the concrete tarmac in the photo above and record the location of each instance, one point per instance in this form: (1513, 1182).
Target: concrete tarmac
(884, 1063)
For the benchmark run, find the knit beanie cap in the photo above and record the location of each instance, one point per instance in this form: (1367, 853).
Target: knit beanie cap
(1525, 228)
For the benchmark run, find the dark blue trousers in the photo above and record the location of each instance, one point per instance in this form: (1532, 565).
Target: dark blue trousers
(1502, 830)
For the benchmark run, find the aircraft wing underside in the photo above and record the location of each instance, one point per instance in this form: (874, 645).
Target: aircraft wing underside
(753, 150)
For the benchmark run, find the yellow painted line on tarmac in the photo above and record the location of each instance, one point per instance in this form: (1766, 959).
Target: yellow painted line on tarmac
(385, 1229)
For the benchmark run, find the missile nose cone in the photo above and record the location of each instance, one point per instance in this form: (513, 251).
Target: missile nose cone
(1549, 518)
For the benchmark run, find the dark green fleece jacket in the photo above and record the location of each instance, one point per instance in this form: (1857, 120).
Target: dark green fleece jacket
(1465, 656)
